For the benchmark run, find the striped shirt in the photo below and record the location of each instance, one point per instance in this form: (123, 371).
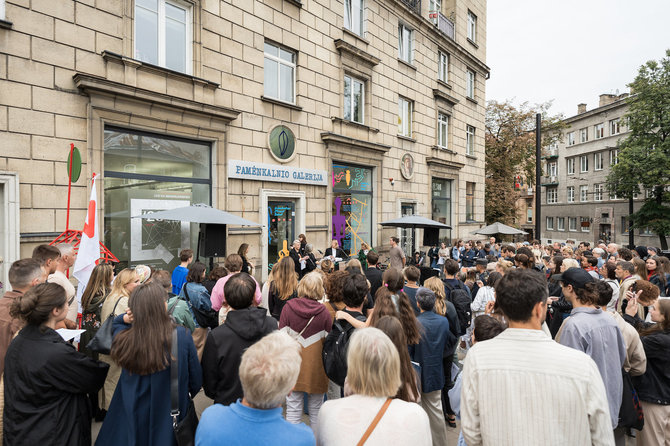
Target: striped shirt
(522, 388)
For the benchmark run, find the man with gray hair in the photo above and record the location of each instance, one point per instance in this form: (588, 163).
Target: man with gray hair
(294, 253)
(268, 371)
(63, 264)
(436, 343)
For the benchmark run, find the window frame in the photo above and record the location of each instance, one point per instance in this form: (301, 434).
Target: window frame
(584, 228)
(552, 169)
(615, 124)
(584, 193)
(410, 56)
(598, 191)
(598, 156)
(470, 132)
(361, 11)
(572, 220)
(352, 81)
(584, 135)
(583, 163)
(470, 79)
(614, 157)
(552, 195)
(472, 26)
(280, 61)
(405, 113)
(571, 139)
(599, 131)
(571, 194)
(443, 66)
(570, 166)
(443, 129)
(560, 223)
(470, 188)
(549, 223)
(161, 38)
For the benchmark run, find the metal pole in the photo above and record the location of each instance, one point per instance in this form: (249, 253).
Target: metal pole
(538, 173)
(631, 232)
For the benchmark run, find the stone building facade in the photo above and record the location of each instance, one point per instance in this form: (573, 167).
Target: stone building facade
(576, 204)
(321, 117)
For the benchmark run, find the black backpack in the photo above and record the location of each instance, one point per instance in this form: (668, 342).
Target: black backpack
(334, 353)
(459, 297)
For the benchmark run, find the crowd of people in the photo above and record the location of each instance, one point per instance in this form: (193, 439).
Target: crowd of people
(524, 343)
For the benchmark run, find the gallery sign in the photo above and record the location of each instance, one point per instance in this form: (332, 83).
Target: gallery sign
(247, 170)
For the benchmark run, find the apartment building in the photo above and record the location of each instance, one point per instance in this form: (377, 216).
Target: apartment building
(576, 203)
(320, 117)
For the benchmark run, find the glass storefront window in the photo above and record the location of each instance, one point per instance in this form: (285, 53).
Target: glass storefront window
(352, 207)
(441, 206)
(146, 173)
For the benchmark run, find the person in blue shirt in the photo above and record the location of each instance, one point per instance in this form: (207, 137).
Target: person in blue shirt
(180, 272)
(469, 256)
(268, 371)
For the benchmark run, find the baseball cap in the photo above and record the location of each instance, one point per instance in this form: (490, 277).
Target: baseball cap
(576, 277)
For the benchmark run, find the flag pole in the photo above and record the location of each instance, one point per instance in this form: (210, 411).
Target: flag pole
(69, 188)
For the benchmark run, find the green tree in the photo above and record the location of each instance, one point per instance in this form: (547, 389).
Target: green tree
(644, 155)
(510, 151)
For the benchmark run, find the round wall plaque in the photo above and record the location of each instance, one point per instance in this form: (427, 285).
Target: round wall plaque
(407, 166)
(281, 142)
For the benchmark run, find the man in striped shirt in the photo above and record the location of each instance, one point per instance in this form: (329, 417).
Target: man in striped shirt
(522, 388)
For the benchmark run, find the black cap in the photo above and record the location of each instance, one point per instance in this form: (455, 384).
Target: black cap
(576, 277)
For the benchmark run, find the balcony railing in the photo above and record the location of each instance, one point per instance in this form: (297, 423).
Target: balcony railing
(550, 153)
(444, 25)
(550, 180)
(414, 5)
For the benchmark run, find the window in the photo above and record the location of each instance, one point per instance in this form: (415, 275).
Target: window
(529, 215)
(550, 223)
(166, 173)
(613, 195)
(442, 131)
(571, 166)
(583, 135)
(552, 195)
(470, 84)
(443, 66)
(614, 157)
(572, 223)
(583, 163)
(583, 193)
(585, 224)
(353, 16)
(598, 190)
(469, 201)
(625, 225)
(571, 194)
(615, 126)
(354, 98)
(352, 202)
(435, 6)
(279, 73)
(560, 223)
(646, 231)
(571, 139)
(441, 205)
(470, 140)
(2, 9)
(598, 131)
(405, 117)
(472, 26)
(163, 34)
(405, 43)
(552, 169)
(598, 161)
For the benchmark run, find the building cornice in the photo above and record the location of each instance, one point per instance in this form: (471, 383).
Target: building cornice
(596, 111)
(439, 162)
(334, 138)
(356, 53)
(439, 94)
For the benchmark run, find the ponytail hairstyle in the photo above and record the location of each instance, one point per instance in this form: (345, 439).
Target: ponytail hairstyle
(394, 281)
(589, 295)
(143, 349)
(36, 305)
(523, 261)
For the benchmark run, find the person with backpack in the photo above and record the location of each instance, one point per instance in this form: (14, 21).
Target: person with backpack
(194, 293)
(336, 344)
(458, 294)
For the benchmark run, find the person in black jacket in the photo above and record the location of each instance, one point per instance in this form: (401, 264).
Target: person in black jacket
(46, 379)
(225, 344)
(653, 387)
(373, 274)
(294, 253)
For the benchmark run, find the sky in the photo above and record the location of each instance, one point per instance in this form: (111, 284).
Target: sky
(571, 51)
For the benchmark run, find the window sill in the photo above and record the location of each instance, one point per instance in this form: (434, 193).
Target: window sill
(6, 24)
(282, 103)
(472, 157)
(472, 42)
(443, 149)
(297, 3)
(474, 101)
(407, 138)
(407, 64)
(355, 36)
(353, 124)
(444, 84)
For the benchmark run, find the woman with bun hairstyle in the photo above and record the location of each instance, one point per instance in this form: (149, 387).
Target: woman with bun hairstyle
(46, 378)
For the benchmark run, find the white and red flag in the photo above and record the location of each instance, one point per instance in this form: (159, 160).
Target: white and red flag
(89, 246)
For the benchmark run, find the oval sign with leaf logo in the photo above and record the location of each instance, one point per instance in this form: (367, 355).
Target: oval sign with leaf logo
(282, 143)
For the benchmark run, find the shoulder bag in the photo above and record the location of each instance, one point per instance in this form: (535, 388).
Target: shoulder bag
(374, 423)
(208, 318)
(184, 430)
(102, 341)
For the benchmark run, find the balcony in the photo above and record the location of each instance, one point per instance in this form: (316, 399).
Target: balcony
(444, 25)
(414, 5)
(549, 180)
(550, 154)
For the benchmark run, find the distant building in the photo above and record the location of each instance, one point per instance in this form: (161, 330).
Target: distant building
(576, 203)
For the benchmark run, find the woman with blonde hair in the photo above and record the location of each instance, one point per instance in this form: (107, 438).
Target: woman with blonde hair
(116, 304)
(283, 287)
(97, 289)
(374, 377)
(502, 266)
(308, 321)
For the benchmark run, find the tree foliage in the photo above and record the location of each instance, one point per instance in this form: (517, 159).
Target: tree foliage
(644, 155)
(510, 151)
